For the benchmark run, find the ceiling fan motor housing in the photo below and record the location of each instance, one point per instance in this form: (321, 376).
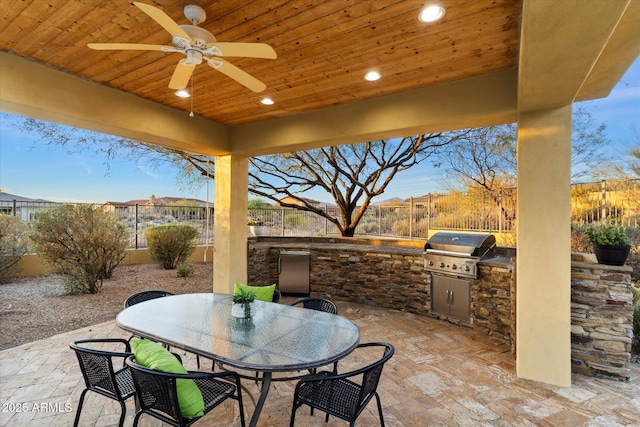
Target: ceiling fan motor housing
(195, 14)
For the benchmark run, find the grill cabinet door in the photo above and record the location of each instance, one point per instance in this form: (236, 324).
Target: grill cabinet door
(451, 297)
(440, 294)
(459, 299)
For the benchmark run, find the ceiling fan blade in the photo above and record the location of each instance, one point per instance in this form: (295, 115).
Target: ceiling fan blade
(163, 19)
(124, 46)
(247, 50)
(242, 77)
(181, 75)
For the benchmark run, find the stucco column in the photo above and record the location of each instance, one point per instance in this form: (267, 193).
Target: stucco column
(230, 222)
(543, 296)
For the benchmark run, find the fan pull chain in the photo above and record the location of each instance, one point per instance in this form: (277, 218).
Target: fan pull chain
(192, 95)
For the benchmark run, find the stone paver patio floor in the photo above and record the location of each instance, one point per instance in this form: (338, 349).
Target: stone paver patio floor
(440, 375)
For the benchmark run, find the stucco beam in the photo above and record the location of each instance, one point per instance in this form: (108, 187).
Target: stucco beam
(34, 90)
(476, 102)
(561, 43)
(621, 51)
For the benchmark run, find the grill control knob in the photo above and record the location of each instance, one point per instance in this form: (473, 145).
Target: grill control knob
(467, 268)
(454, 267)
(430, 263)
(442, 265)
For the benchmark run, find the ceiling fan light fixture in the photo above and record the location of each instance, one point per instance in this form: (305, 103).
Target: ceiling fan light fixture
(267, 101)
(431, 13)
(182, 93)
(372, 76)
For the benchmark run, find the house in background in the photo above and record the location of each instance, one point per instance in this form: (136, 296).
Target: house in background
(160, 210)
(311, 202)
(23, 207)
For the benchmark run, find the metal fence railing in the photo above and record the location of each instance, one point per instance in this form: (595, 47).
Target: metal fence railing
(614, 201)
(605, 201)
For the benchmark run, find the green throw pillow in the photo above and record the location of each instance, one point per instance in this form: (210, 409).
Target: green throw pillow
(153, 356)
(263, 293)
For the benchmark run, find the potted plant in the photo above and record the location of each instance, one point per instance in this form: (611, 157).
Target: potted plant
(243, 306)
(256, 226)
(610, 243)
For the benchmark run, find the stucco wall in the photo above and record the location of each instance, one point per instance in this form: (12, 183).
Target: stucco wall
(32, 265)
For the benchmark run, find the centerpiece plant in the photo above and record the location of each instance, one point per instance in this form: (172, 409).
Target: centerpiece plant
(244, 298)
(255, 221)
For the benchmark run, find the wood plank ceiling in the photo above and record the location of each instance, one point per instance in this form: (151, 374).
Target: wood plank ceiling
(324, 48)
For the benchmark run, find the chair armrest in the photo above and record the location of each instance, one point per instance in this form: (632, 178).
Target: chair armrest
(192, 375)
(327, 375)
(126, 353)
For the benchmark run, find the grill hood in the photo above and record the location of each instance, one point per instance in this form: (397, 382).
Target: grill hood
(460, 244)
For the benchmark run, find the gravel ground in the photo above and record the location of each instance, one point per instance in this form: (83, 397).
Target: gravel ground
(34, 308)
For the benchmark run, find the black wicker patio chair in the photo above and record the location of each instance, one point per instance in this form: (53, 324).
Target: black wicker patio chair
(145, 296)
(339, 394)
(158, 396)
(276, 296)
(99, 374)
(319, 304)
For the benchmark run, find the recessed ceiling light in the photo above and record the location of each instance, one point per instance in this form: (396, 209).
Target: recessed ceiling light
(431, 14)
(267, 101)
(372, 76)
(183, 93)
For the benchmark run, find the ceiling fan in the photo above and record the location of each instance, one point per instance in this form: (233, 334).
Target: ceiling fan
(197, 44)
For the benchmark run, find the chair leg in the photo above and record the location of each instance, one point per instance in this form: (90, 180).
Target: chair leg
(240, 405)
(293, 415)
(136, 420)
(84, 392)
(123, 410)
(379, 409)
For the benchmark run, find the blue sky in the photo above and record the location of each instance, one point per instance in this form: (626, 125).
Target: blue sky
(36, 170)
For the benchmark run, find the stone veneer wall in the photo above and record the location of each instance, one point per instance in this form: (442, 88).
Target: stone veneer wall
(493, 297)
(390, 274)
(601, 318)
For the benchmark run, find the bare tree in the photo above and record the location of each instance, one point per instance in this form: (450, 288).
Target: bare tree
(351, 174)
(634, 160)
(486, 157)
(194, 168)
(626, 165)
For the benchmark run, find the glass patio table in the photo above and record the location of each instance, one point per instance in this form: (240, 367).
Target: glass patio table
(279, 338)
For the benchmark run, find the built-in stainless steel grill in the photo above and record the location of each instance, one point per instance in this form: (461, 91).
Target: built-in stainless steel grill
(457, 253)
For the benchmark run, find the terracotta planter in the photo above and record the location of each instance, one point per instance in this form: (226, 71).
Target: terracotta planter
(611, 255)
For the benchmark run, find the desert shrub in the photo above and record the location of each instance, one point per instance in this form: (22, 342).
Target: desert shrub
(82, 242)
(14, 243)
(171, 244)
(633, 260)
(185, 270)
(579, 240)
